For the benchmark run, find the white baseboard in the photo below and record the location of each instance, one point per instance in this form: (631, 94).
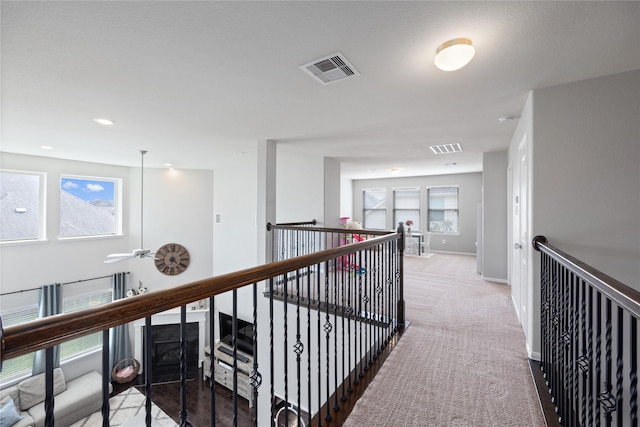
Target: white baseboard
(533, 355)
(492, 279)
(454, 253)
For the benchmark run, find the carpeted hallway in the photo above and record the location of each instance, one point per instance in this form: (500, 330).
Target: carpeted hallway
(462, 361)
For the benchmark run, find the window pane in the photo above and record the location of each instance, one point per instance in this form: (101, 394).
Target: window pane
(406, 204)
(20, 366)
(443, 209)
(375, 209)
(90, 342)
(375, 199)
(374, 219)
(20, 210)
(88, 207)
(407, 198)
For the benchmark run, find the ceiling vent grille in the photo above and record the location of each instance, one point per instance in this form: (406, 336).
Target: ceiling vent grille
(330, 69)
(446, 148)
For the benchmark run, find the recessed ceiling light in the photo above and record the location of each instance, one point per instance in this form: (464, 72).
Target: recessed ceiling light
(371, 170)
(454, 54)
(394, 170)
(46, 147)
(240, 153)
(103, 121)
(168, 165)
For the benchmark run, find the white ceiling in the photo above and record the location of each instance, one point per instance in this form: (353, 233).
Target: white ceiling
(196, 82)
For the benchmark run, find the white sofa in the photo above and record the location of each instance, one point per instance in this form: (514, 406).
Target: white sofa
(73, 400)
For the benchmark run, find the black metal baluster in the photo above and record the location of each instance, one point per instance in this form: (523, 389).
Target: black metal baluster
(298, 347)
(147, 369)
(256, 377)
(361, 315)
(343, 314)
(572, 351)
(619, 366)
(590, 391)
(326, 271)
(106, 377)
(557, 302)
(212, 381)
(544, 316)
(271, 356)
(234, 345)
(606, 398)
(598, 353)
(583, 360)
(633, 373)
(336, 405)
(327, 330)
(183, 367)
(349, 315)
(49, 403)
(285, 358)
(309, 294)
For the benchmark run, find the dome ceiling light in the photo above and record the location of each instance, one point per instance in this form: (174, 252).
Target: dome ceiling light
(454, 54)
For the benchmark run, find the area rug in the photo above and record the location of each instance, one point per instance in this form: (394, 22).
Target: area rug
(127, 409)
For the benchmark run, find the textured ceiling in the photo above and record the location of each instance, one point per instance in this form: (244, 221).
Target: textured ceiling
(196, 82)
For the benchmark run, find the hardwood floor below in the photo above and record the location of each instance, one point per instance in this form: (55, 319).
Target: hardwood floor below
(167, 397)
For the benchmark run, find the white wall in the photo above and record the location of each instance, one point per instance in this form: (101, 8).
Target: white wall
(34, 264)
(584, 142)
(586, 188)
(494, 205)
(300, 186)
(178, 208)
(470, 194)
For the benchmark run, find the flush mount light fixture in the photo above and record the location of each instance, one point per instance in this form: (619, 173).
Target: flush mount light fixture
(454, 54)
(46, 147)
(103, 121)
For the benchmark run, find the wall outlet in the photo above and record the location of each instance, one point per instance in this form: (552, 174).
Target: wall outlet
(444, 241)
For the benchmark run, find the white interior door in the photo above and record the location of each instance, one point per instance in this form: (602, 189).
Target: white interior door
(522, 247)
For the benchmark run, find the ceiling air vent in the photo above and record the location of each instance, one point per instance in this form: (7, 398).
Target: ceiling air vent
(331, 68)
(446, 148)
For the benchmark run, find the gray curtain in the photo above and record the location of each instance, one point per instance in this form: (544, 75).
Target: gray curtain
(49, 303)
(119, 344)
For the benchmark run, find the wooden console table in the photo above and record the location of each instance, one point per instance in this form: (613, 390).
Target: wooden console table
(223, 369)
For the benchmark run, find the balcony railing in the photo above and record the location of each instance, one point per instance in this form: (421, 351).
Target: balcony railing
(589, 327)
(325, 323)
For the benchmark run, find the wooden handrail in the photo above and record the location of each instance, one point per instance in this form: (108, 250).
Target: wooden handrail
(42, 333)
(623, 295)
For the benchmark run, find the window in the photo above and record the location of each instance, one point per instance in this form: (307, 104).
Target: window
(89, 206)
(443, 209)
(21, 206)
(406, 206)
(20, 366)
(375, 209)
(87, 343)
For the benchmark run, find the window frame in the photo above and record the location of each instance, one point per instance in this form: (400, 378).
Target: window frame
(397, 219)
(443, 210)
(42, 208)
(117, 207)
(383, 209)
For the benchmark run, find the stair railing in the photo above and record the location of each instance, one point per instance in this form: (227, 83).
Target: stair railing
(334, 343)
(589, 328)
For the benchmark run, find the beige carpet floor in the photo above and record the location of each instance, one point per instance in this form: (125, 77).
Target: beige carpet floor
(462, 361)
(127, 409)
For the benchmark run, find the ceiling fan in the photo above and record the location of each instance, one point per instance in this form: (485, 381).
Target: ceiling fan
(141, 252)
